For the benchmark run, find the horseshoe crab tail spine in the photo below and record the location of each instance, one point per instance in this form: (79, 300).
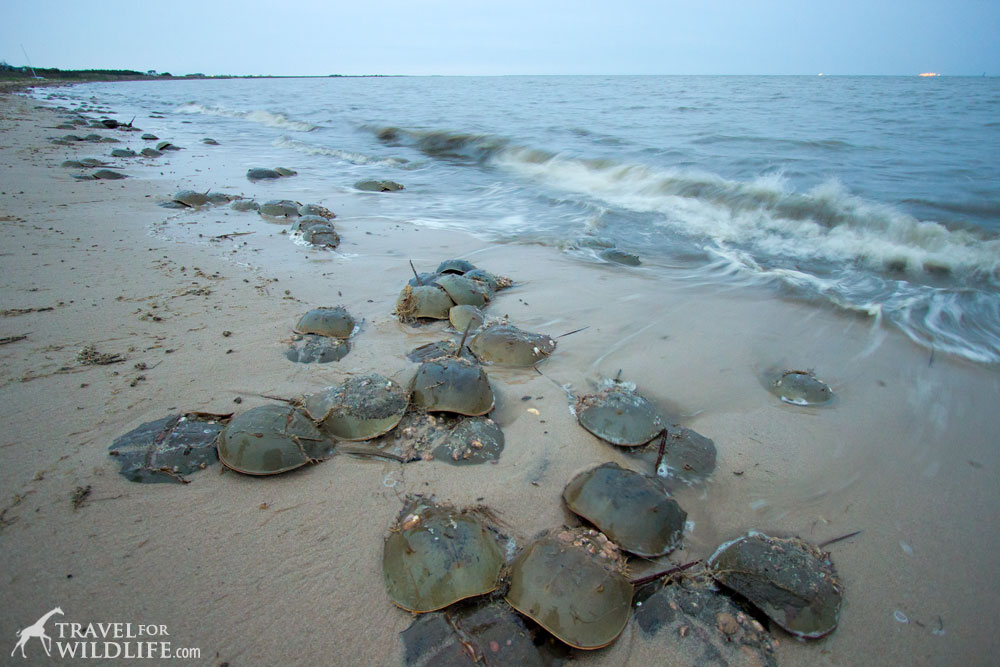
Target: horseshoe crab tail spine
(465, 335)
(415, 274)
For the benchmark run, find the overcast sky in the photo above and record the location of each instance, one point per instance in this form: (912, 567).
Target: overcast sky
(506, 37)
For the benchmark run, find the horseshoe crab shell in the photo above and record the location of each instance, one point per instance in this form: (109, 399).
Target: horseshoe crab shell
(317, 236)
(507, 345)
(464, 291)
(166, 146)
(360, 409)
(428, 301)
(261, 173)
(455, 266)
(271, 439)
(473, 440)
(378, 186)
(335, 322)
(150, 152)
(149, 137)
(790, 580)
(451, 384)
(435, 556)
(629, 507)
(461, 316)
(572, 584)
(801, 388)
(165, 449)
(284, 171)
(245, 205)
(191, 198)
(317, 349)
(282, 208)
(315, 209)
(619, 416)
(483, 276)
(123, 152)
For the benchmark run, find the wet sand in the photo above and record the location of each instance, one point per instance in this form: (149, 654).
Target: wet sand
(287, 569)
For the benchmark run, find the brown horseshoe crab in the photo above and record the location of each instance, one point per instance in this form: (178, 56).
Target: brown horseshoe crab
(632, 509)
(572, 583)
(435, 556)
(271, 439)
(359, 409)
(790, 580)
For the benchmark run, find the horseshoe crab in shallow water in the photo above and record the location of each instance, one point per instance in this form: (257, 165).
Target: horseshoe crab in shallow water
(282, 171)
(572, 583)
(335, 322)
(800, 388)
(260, 174)
(360, 409)
(123, 152)
(423, 301)
(315, 209)
(435, 556)
(210, 141)
(378, 186)
(461, 316)
(620, 257)
(464, 291)
(166, 449)
(790, 580)
(245, 205)
(451, 384)
(506, 345)
(311, 348)
(688, 456)
(271, 439)
(149, 137)
(280, 208)
(629, 507)
(619, 416)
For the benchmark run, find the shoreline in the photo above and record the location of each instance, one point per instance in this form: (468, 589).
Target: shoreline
(110, 262)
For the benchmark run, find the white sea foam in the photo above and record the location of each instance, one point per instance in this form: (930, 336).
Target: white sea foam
(260, 116)
(347, 156)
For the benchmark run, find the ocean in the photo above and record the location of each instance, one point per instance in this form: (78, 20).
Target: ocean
(873, 194)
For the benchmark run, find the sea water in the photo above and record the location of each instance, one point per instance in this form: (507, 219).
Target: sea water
(873, 194)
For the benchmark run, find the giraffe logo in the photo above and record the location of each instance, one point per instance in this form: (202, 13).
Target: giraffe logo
(36, 630)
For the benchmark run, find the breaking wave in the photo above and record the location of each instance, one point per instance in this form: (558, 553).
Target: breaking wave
(255, 116)
(347, 156)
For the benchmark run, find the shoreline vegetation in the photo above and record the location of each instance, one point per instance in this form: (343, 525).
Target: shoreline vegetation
(117, 312)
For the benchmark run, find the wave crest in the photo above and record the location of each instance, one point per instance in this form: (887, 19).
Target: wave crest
(269, 118)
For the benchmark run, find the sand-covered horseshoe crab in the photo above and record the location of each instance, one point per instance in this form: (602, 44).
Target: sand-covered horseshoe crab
(167, 449)
(473, 440)
(800, 388)
(572, 583)
(335, 322)
(619, 416)
(359, 409)
(451, 384)
(634, 510)
(423, 301)
(790, 580)
(506, 345)
(271, 439)
(436, 555)
(312, 348)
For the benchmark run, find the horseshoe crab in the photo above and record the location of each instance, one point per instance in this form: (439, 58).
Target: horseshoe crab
(629, 507)
(464, 291)
(123, 152)
(360, 409)
(435, 556)
(378, 186)
(150, 152)
(800, 388)
(440, 348)
(572, 583)
(311, 348)
(474, 632)
(271, 439)
(451, 384)
(495, 282)
(210, 141)
(474, 440)
(166, 146)
(280, 208)
(423, 279)
(690, 617)
(459, 266)
(423, 301)
(461, 316)
(314, 209)
(620, 257)
(282, 171)
(112, 140)
(326, 238)
(93, 162)
(260, 174)
(790, 580)
(335, 322)
(100, 174)
(619, 416)
(166, 449)
(191, 198)
(149, 137)
(73, 164)
(507, 345)
(245, 205)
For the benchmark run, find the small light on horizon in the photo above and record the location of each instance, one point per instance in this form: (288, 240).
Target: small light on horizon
(929, 74)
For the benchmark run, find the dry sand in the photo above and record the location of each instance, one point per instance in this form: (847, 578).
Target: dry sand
(286, 570)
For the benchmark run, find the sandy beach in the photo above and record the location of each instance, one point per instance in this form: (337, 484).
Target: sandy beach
(287, 569)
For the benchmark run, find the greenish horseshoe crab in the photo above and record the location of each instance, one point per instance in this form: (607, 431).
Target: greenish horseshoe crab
(620, 257)
(149, 137)
(459, 266)
(629, 507)
(800, 388)
(167, 449)
(790, 580)
(260, 174)
(378, 186)
(572, 583)
(150, 152)
(166, 146)
(335, 322)
(423, 301)
(282, 208)
(451, 384)
(461, 317)
(435, 556)
(191, 198)
(271, 439)
(464, 291)
(359, 409)
(245, 205)
(312, 348)
(315, 209)
(619, 416)
(506, 345)
(123, 152)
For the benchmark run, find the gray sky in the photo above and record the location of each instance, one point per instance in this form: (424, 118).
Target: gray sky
(507, 37)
